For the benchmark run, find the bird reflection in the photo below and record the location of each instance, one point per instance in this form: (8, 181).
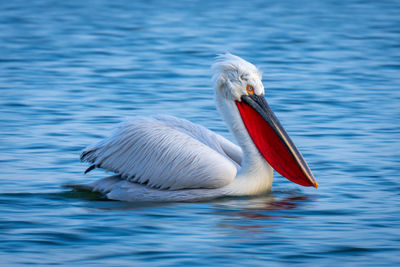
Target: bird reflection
(258, 214)
(249, 214)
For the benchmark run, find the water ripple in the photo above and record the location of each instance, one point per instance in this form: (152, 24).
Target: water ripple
(72, 70)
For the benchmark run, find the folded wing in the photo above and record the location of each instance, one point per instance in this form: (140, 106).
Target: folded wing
(165, 152)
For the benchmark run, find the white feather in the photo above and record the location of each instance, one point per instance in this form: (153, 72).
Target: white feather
(167, 153)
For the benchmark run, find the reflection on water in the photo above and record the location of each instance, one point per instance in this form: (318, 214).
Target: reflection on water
(70, 71)
(256, 212)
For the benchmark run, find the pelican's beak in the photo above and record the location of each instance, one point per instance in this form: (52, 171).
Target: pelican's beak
(272, 141)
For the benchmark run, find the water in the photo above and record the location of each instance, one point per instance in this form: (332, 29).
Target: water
(71, 70)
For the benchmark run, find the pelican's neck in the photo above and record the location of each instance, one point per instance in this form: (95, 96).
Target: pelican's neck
(255, 170)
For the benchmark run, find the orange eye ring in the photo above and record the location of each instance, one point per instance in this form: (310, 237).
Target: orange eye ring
(250, 89)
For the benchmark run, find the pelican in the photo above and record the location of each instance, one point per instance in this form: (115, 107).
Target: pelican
(164, 158)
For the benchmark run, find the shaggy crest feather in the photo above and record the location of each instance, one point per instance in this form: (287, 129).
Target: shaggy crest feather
(231, 74)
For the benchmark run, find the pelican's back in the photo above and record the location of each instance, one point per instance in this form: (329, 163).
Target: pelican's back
(166, 153)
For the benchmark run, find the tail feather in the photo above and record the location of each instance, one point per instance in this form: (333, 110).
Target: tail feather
(92, 167)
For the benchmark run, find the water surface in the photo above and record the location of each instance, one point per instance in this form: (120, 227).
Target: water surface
(71, 71)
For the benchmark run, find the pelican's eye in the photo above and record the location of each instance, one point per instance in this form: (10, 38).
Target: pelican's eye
(250, 89)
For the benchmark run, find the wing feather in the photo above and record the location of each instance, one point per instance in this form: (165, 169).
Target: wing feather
(215, 141)
(166, 153)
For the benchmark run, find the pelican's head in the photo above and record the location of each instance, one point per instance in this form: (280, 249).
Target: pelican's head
(240, 94)
(234, 77)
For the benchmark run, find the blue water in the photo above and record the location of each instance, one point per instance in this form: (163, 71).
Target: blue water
(71, 70)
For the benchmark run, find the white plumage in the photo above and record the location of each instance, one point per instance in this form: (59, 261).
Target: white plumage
(165, 152)
(164, 158)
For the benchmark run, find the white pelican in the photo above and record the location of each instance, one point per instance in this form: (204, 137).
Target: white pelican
(164, 158)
